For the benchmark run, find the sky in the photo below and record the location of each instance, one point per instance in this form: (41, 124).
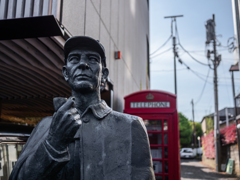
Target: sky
(192, 36)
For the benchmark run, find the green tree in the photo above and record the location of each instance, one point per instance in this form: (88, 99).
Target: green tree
(209, 124)
(185, 131)
(198, 128)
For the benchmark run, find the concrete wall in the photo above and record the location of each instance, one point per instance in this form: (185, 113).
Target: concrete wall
(233, 149)
(204, 126)
(230, 123)
(208, 162)
(235, 157)
(120, 25)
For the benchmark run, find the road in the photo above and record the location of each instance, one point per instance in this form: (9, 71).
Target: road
(192, 169)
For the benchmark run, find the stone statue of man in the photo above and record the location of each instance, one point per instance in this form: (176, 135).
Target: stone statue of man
(85, 139)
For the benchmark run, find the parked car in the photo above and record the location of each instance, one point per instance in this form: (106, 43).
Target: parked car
(187, 153)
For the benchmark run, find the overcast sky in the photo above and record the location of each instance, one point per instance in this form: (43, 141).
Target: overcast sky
(192, 35)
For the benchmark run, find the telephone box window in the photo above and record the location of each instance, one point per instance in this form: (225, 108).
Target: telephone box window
(157, 166)
(155, 138)
(153, 125)
(156, 152)
(165, 125)
(159, 177)
(165, 152)
(166, 167)
(165, 138)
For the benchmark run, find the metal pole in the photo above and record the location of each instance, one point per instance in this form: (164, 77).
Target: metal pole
(175, 72)
(226, 114)
(194, 130)
(174, 51)
(216, 116)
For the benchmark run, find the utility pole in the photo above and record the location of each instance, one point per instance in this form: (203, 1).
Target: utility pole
(194, 130)
(175, 71)
(174, 49)
(211, 36)
(216, 115)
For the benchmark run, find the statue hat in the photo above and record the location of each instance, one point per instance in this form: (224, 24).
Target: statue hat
(76, 42)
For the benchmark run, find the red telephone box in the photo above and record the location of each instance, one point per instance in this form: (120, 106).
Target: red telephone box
(159, 113)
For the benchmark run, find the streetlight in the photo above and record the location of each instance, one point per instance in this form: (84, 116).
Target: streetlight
(198, 140)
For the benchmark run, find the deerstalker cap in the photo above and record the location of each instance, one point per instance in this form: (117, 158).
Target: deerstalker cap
(86, 42)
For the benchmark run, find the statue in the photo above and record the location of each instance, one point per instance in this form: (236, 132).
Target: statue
(85, 139)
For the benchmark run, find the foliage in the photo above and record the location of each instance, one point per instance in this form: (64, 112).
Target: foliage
(185, 131)
(208, 145)
(229, 134)
(209, 124)
(198, 129)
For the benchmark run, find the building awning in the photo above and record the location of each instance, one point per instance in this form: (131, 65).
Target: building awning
(234, 67)
(31, 60)
(30, 27)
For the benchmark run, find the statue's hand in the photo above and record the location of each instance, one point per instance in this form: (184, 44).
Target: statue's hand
(64, 126)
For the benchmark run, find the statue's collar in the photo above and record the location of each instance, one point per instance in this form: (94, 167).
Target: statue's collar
(99, 110)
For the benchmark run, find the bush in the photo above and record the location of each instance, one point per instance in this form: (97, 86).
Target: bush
(208, 145)
(229, 134)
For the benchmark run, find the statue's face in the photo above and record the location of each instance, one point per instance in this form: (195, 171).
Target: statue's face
(83, 70)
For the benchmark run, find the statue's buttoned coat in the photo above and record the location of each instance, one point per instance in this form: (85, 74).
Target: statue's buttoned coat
(108, 146)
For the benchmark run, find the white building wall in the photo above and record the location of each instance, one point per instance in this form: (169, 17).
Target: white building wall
(236, 52)
(120, 25)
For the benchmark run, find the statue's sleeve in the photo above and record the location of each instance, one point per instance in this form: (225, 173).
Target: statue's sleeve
(141, 159)
(38, 159)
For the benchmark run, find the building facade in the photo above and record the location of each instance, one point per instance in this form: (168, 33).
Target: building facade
(236, 23)
(33, 33)
(120, 25)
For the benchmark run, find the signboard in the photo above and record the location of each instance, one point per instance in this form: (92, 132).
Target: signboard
(238, 101)
(158, 104)
(230, 166)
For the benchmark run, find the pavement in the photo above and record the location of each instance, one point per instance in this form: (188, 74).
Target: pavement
(192, 169)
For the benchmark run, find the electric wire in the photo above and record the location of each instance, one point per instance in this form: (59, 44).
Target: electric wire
(194, 72)
(219, 77)
(169, 70)
(199, 76)
(161, 45)
(176, 30)
(192, 56)
(203, 88)
(161, 53)
(227, 90)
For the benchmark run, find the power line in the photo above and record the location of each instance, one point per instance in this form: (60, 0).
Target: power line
(194, 72)
(203, 88)
(218, 77)
(199, 76)
(169, 70)
(161, 45)
(185, 49)
(192, 56)
(161, 53)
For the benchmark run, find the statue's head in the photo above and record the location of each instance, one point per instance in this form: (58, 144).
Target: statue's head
(85, 64)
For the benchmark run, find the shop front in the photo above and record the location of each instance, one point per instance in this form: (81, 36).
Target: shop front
(159, 113)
